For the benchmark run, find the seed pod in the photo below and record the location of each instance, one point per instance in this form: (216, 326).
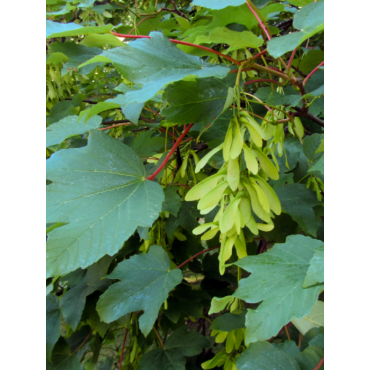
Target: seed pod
(212, 198)
(267, 165)
(237, 144)
(227, 220)
(201, 189)
(250, 159)
(233, 173)
(207, 157)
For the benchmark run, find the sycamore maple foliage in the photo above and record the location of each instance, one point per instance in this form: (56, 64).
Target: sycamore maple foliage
(185, 164)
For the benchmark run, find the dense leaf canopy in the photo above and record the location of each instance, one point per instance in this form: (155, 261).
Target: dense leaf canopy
(185, 184)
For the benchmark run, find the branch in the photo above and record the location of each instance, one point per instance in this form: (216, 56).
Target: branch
(196, 255)
(181, 43)
(159, 169)
(263, 80)
(123, 348)
(177, 11)
(160, 340)
(310, 116)
(310, 74)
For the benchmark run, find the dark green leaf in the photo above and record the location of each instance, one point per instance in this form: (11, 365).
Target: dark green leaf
(172, 201)
(216, 133)
(145, 145)
(52, 323)
(318, 166)
(229, 322)
(276, 280)
(311, 61)
(179, 345)
(263, 356)
(297, 201)
(62, 359)
(146, 280)
(187, 218)
(311, 144)
(73, 302)
(101, 191)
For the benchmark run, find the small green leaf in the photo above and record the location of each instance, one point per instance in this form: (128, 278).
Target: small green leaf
(297, 201)
(195, 101)
(69, 126)
(222, 35)
(309, 20)
(318, 166)
(228, 322)
(276, 280)
(179, 345)
(146, 280)
(172, 200)
(56, 29)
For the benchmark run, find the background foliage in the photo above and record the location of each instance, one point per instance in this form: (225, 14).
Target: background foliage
(185, 184)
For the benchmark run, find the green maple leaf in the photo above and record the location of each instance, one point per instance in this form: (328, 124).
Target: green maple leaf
(264, 355)
(277, 280)
(101, 192)
(172, 357)
(73, 302)
(155, 63)
(146, 280)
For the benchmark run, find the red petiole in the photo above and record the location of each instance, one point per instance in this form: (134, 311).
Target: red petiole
(159, 169)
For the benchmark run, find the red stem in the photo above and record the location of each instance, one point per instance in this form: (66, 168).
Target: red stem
(319, 364)
(259, 21)
(305, 80)
(263, 80)
(181, 43)
(244, 69)
(119, 124)
(291, 59)
(259, 54)
(196, 255)
(123, 348)
(159, 169)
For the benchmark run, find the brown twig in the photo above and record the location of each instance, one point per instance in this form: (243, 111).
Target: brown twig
(159, 338)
